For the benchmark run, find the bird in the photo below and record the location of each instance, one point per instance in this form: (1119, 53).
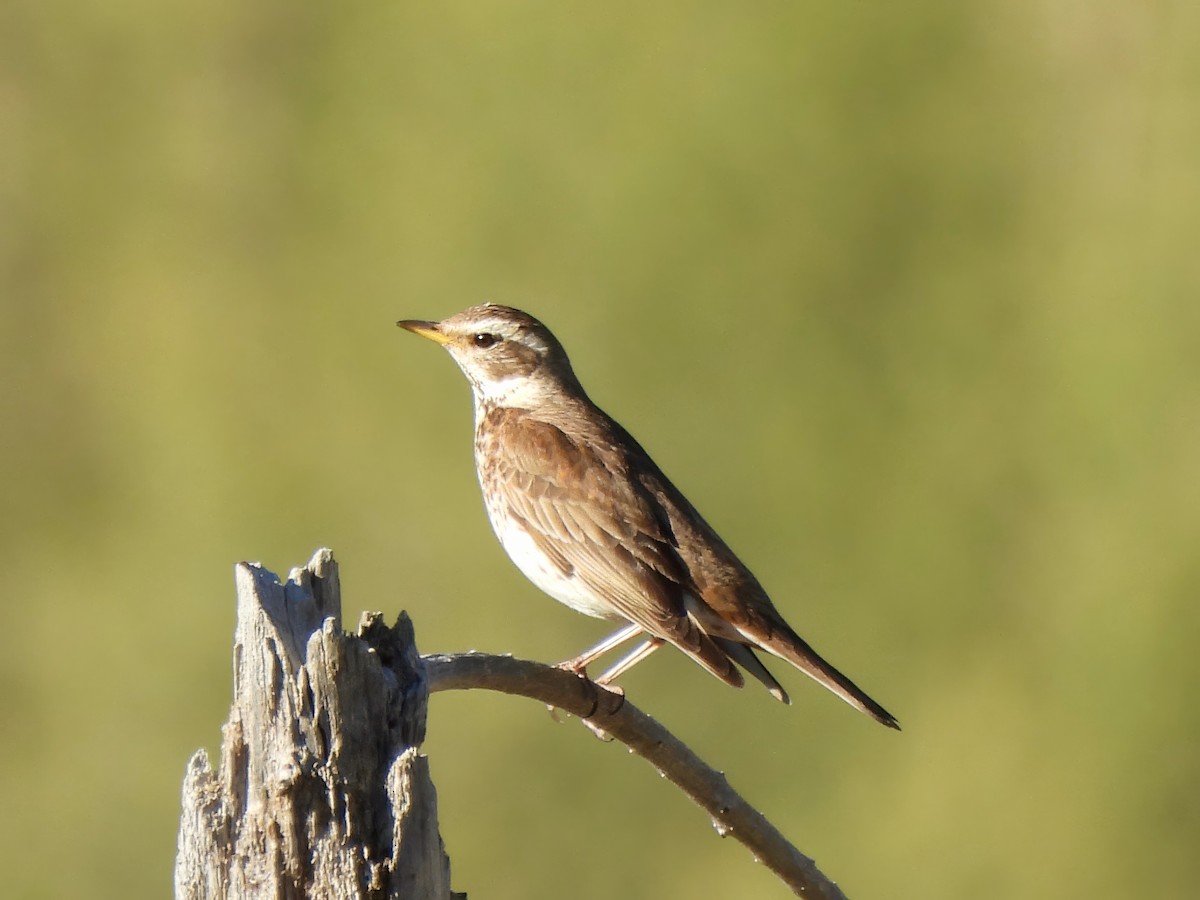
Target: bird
(587, 516)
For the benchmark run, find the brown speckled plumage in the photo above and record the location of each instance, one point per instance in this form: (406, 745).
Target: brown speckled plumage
(586, 514)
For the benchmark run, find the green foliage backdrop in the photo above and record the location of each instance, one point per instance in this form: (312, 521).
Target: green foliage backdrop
(903, 295)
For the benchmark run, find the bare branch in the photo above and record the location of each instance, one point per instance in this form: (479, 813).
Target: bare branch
(607, 711)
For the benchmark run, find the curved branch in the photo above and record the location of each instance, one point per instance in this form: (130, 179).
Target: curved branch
(609, 712)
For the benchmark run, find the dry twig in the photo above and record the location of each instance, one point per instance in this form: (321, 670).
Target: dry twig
(609, 712)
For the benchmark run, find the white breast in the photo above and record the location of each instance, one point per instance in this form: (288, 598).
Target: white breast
(534, 564)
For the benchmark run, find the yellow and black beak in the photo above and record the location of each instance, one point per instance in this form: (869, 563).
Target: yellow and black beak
(425, 329)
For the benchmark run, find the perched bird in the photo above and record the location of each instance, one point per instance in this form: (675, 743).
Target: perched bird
(589, 518)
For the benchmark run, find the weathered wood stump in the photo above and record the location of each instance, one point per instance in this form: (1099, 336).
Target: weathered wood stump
(321, 792)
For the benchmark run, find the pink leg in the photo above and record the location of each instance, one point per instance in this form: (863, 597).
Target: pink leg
(632, 659)
(579, 664)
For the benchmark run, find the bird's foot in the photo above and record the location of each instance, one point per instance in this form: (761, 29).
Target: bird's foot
(604, 694)
(577, 666)
(612, 698)
(614, 689)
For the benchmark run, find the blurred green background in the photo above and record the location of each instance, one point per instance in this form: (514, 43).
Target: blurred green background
(904, 296)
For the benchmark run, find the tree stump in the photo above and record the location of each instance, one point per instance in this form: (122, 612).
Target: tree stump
(321, 792)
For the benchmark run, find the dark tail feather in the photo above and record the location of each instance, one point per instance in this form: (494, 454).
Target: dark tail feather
(744, 657)
(704, 649)
(794, 649)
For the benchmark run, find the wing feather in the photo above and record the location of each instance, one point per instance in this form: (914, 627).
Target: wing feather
(599, 525)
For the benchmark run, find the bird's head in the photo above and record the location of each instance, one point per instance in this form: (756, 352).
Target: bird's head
(510, 358)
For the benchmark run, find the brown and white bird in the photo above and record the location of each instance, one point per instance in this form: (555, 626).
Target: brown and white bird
(589, 518)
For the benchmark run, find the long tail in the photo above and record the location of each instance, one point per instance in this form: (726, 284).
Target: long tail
(795, 650)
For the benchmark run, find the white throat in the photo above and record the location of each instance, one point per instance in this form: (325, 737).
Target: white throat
(514, 392)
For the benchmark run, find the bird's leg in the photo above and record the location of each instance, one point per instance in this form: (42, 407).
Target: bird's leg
(630, 660)
(579, 664)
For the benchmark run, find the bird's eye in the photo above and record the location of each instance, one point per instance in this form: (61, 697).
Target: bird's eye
(483, 340)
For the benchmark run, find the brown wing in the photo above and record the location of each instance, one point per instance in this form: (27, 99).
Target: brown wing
(579, 504)
(741, 609)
